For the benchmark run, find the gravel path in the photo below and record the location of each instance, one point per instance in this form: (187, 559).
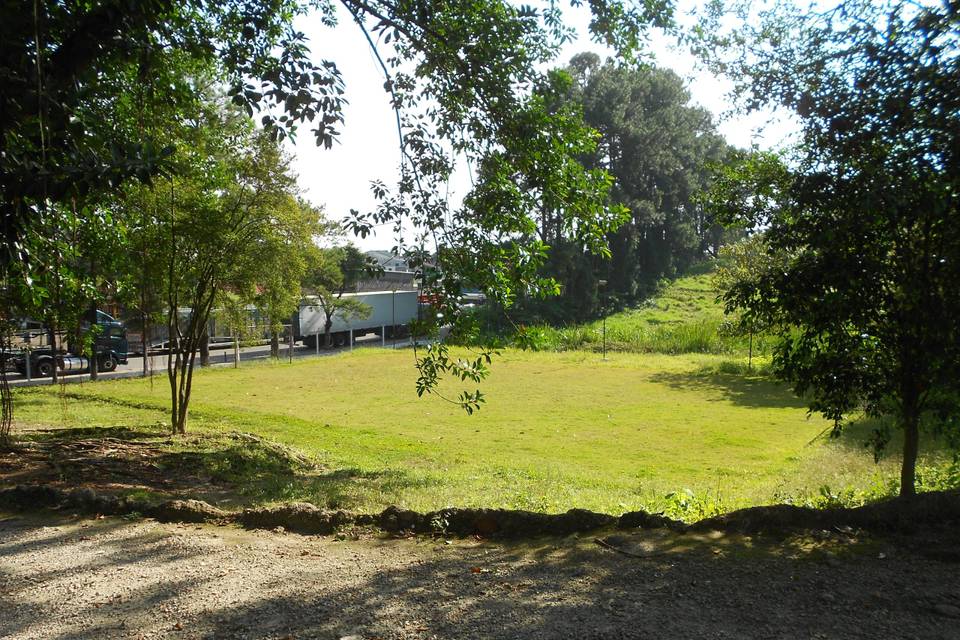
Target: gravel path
(64, 577)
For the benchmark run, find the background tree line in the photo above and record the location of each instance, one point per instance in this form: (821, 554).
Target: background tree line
(659, 150)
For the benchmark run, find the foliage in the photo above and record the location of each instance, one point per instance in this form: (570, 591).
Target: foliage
(691, 506)
(867, 307)
(67, 68)
(657, 146)
(684, 317)
(942, 477)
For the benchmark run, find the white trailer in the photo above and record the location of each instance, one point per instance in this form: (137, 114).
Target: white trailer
(390, 313)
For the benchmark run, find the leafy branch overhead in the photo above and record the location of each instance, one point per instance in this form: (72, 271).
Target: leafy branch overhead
(466, 86)
(464, 79)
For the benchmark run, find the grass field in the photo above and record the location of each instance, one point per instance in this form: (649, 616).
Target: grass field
(559, 430)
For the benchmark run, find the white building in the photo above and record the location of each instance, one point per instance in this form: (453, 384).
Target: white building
(389, 262)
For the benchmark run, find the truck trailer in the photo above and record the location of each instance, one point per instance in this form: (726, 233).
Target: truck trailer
(390, 315)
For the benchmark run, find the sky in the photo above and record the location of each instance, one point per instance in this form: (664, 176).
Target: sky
(339, 178)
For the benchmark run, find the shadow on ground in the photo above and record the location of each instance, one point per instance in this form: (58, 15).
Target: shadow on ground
(741, 390)
(108, 579)
(229, 470)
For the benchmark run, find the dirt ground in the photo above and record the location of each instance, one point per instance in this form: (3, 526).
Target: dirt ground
(65, 576)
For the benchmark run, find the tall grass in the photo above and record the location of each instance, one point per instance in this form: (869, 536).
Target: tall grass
(698, 336)
(683, 318)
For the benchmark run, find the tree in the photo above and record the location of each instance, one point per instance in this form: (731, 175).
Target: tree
(867, 307)
(278, 263)
(76, 264)
(231, 311)
(742, 265)
(658, 148)
(333, 272)
(461, 76)
(234, 193)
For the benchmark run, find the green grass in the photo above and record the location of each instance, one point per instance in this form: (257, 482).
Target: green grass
(559, 430)
(683, 318)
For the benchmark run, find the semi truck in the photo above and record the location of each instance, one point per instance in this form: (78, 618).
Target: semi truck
(110, 347)
(390, 315)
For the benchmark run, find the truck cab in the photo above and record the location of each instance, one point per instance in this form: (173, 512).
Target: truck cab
(110, 346)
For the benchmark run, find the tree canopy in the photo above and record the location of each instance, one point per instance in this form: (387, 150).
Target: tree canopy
(463, 80)
(866, 210)
(658, 149)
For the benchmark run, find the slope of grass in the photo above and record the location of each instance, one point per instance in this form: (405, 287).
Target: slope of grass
(559, 430)
(683, 318)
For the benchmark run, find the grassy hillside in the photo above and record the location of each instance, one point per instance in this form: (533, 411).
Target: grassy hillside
(683, 318)
(559, 430)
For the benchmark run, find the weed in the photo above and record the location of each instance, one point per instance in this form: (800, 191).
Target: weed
(689, 505)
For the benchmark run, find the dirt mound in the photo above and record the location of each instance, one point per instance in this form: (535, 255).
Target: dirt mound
(31, 497)
(25, 497)
(898, 514)
(301, 517)
(934, 508)
(644, 520)
(503, 523)
(186, 511)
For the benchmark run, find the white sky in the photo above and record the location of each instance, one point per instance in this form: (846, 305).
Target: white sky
(339, 178)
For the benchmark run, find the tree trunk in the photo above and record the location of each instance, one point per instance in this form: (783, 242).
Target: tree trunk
(94, 364)
(327, 338)
(52, 335)
(6, 399)
(911, 446)
(173, 362)
(144, 342)
(274, 344)
(205, 350)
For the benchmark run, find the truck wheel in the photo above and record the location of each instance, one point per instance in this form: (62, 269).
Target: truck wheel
(45, 368)
(108, 363)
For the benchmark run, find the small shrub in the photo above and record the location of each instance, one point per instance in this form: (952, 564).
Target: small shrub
(690, 506)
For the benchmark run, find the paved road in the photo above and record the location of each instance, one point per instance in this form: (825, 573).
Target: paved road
(218, 358)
